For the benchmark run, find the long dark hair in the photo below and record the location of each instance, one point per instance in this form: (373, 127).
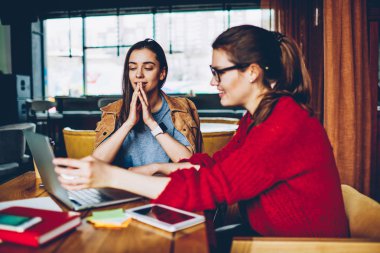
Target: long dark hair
(278, 56)
(153, 46)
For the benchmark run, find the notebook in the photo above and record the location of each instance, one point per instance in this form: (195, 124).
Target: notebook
(77, 200)
(52, 225)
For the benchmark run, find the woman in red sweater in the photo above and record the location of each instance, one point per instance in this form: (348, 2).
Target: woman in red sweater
(279, 166)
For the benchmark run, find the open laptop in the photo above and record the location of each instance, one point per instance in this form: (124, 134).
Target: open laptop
(77, 200)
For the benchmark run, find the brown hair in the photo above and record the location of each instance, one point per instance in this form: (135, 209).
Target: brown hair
(278, 56)
(153, 46)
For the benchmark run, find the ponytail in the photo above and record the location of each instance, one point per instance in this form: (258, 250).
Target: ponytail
(294, 81)
(295, 76)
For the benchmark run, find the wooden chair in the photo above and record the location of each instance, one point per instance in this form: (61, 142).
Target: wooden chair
(309, 245)
(78, 143)
(363, 215)
(217, 132)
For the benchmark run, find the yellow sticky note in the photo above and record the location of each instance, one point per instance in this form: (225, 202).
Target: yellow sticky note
(100, 224)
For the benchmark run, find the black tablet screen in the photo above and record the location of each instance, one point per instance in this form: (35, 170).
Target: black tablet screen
(164, 215)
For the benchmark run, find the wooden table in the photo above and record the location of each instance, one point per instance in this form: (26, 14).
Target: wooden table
(137, 237)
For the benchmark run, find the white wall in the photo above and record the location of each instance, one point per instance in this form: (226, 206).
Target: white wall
(5, 49)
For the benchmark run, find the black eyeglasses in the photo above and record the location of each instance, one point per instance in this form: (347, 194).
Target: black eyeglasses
(217, 72)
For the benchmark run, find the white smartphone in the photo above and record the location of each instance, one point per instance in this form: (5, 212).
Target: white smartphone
(17, 223)
(165, 217)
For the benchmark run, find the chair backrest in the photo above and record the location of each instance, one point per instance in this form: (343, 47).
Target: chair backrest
(79, 143)
(42, 105)
(222, 120)
(105, 101)
(218, 133)
(13, 142)
(363, 214)
(12, 145)
(38, 106)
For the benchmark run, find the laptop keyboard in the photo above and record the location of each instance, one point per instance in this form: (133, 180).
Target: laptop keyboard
(87, 197)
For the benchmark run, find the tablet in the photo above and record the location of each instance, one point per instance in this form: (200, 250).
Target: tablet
(165, 217)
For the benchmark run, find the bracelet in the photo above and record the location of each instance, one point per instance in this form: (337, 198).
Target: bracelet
(157, 131)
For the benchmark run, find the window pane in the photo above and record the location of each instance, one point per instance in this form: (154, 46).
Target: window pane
(244, 17)
(189, 73)
(101, 31)
(104, 71)
(135, 28)
(64, 76)
(189, 37)
(63, 43)
(63, 35)
(267, 19)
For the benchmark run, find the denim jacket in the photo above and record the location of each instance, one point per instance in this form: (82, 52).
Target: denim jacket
(183, 113)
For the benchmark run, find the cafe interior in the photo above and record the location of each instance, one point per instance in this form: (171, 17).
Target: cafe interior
(61, 61)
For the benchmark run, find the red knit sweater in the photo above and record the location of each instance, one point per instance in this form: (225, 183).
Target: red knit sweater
(283, 171)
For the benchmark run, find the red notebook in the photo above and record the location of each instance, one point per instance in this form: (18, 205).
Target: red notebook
(53, 224)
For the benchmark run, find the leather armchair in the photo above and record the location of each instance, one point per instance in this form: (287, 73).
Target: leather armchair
(12, 147)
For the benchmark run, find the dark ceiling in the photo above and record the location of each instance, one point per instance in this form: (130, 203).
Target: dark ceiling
(17, 11)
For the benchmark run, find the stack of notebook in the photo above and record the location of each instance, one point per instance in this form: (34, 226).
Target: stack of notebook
(50, 225)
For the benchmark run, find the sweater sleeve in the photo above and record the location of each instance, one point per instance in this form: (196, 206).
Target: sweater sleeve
(270, 153)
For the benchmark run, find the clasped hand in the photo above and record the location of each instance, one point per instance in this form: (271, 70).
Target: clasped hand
(136, 108)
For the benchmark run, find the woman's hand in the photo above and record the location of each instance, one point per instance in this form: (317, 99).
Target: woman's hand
(162, 168)
(146, 111)
(80, 174)
(89, 172)
(134, 108)
(148, 169)
(187, 165)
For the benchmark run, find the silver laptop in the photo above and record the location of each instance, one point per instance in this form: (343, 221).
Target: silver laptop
(78, 200)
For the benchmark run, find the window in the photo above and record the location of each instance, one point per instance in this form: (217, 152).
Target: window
(106, 48)
(64, 57)
(187, 42)
(185, 36)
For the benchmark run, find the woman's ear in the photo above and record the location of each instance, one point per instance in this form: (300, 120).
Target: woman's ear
(163, 74)
(254, 72)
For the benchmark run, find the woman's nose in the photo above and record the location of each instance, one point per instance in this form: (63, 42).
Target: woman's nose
(213, 82)
(139, 73)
